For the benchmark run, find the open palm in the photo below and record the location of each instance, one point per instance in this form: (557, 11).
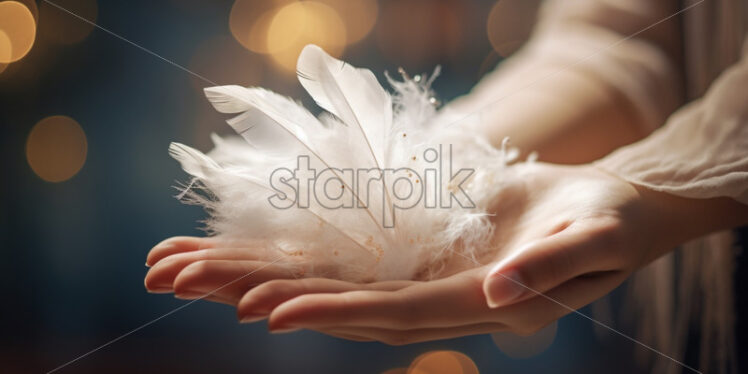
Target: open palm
(564, 236)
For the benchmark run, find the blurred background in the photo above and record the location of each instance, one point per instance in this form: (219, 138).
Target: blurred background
(86, 118)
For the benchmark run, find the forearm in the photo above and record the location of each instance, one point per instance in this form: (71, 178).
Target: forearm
(567, 118)
(677, 220)
(589, 81)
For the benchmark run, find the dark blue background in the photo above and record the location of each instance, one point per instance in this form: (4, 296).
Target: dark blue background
(72, 253)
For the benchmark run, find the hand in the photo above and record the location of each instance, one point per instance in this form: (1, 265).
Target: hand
(560, 232)
(564, 237)
(192, 268)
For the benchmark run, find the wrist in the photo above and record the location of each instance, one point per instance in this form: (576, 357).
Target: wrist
(678, 220)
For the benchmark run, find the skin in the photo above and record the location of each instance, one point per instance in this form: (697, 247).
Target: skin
(563, 110)
(565, 236)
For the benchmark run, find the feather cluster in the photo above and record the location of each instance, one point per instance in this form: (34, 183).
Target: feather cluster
(380, 197)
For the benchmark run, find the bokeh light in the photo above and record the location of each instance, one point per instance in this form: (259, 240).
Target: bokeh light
(525, 346)
(510, 24)
(396, 371)
(419, 32)
(257, 39)
(5, 47)
(300, 23)
(281, 28)
(33, 8)
(59, 26)
(443, 362)
(56, 148)
(359, 16)
(288, 25)
(248, 22)
(17, 22)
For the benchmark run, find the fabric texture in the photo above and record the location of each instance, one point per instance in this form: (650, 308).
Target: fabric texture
(701, 151)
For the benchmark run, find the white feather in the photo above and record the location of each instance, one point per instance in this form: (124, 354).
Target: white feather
(366, 128)
(353, 95)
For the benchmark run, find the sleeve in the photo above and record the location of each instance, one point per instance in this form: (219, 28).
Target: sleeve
(701, 152)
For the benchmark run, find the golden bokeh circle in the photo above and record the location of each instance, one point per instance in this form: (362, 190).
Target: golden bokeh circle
(33, 8)
(58, 26)
(257, 39)
(443, 362)
(396, 371)
(288, 25)
(525, 346)
(300, 23)
(5, 48)
(358, 16)
(249, 19)
(56, 148)
(17, 22)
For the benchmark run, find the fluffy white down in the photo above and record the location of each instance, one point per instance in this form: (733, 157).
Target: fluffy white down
(364, 128)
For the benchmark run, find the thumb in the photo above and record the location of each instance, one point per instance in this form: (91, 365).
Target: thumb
(539, 266)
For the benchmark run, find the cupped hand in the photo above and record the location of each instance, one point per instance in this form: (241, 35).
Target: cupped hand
(564, 236)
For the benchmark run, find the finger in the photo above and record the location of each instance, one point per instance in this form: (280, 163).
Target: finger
(160, 277)
(402, 337)
(527, 317)
(261, 300)
(345, 336)
(549, 262)
(445, 302)
(176, 244)
(226, 279)
(216, 299)
(523, 318)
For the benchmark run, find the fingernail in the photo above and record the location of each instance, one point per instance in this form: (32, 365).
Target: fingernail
(283, 330)
(249, 318)
(159, 290)
(503, 287)
(256, 310)
(150, 284)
